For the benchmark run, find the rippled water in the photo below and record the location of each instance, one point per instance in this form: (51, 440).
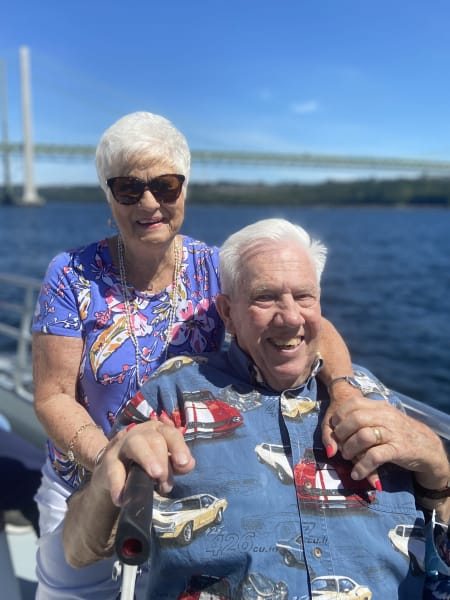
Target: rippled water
(385, 287)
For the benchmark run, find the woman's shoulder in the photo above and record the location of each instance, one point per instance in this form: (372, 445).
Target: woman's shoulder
(79, 262)
(81, 254)
(201, 261)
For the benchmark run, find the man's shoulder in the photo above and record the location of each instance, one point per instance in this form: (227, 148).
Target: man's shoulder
(178, 364)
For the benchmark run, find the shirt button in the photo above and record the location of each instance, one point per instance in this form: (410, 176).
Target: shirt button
(317, 552)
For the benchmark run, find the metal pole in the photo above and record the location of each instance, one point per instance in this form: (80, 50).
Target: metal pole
(7, 188)
(129, 573)
(30, 195)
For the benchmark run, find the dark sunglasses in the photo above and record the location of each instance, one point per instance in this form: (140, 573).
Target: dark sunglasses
(129, 190)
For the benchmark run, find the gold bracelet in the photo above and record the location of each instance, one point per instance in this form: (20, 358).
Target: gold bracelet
(99, 455)
(70, 453)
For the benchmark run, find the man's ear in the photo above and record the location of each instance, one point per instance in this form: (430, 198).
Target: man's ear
(223, 305)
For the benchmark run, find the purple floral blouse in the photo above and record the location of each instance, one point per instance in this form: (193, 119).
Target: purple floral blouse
(81, 296)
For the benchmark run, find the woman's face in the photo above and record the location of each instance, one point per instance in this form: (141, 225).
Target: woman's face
(149, 221)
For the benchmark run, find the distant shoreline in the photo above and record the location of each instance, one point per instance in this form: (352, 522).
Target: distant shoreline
(370, 192)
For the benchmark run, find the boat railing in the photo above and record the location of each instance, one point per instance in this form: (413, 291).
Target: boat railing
(438, 420)
(17, 300)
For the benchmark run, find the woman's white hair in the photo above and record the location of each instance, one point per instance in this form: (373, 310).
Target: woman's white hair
(248, 238)
(141, 139)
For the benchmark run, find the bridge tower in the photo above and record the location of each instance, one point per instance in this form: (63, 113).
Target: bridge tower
(7, 190)
(30, 196)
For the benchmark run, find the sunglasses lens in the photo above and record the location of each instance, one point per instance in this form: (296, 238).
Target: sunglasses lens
(129, 190)
(166, 188)
(126, 190)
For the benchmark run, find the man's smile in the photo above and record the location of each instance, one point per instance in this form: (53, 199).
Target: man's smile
(286, 344)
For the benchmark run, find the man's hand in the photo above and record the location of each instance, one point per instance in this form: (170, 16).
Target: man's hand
(371, 433)
(156, 445)
(159, 448)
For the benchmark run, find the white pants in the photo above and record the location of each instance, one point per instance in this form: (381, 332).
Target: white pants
(56, 579)
(51, 499)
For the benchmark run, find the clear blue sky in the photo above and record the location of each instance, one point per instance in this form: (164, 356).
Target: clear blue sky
(321, 76)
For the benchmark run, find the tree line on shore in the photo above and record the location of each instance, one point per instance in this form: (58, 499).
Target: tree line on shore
(426, 191)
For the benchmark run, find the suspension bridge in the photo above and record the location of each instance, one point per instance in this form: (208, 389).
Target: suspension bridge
(255, 158)
(418, 167)
(31, 152)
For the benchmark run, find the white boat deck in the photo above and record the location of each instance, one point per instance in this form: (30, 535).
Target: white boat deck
(18, 561)
(22, 544)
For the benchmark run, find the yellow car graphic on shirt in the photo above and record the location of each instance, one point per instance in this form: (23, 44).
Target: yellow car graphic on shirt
(179, 519)
(338, 587)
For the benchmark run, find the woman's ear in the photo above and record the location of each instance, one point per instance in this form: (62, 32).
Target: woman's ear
(223, 305)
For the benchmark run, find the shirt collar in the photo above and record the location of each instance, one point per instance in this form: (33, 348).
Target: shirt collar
(247, 370)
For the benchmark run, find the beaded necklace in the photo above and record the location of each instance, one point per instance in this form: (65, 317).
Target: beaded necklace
(139, 355)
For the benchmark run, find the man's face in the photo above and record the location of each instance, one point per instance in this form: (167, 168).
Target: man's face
(275, 315)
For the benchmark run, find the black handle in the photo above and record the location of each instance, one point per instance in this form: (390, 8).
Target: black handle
(135, 518)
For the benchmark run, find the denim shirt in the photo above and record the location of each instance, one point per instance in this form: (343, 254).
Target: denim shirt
(265, 513)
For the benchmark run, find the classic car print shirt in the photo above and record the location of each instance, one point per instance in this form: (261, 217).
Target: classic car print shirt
(265, 514)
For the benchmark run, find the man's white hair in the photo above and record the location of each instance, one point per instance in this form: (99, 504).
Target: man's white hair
(251, 236)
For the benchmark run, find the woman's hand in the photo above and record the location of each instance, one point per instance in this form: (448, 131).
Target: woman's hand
(340, 395)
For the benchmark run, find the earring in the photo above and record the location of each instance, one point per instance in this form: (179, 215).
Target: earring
(112, 224)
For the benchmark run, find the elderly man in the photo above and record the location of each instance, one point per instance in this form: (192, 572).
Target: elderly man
(248, 498)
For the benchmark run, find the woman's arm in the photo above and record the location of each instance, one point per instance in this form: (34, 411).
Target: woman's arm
(336, 357)
(56, 365)
(336, 363)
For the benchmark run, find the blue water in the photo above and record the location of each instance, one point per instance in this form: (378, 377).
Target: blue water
(385, 286)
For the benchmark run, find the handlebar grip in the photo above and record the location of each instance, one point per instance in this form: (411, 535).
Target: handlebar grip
(133, 535)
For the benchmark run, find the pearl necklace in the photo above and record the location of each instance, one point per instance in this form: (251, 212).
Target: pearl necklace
(139, 355)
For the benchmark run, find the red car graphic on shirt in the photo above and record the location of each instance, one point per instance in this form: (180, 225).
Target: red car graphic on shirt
(204, 416)
(207, 587)
(200, 415)
(319, 479)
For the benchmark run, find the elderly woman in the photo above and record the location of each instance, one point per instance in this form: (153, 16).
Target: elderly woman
(111, 312)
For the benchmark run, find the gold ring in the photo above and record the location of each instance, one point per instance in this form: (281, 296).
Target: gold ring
(378, 436)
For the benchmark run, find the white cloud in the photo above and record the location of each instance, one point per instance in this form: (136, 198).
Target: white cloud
(303, 108)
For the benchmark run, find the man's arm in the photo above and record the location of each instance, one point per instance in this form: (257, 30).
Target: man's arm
(90, 522)
(90, 525)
